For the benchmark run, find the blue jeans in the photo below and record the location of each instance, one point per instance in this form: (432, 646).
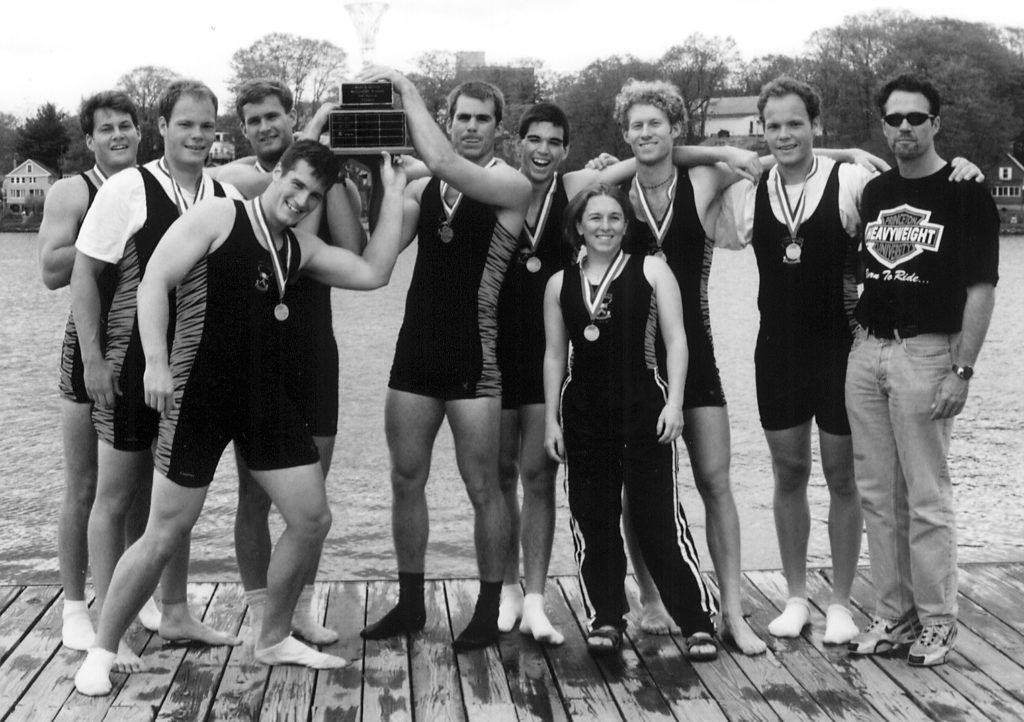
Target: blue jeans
(900, 465)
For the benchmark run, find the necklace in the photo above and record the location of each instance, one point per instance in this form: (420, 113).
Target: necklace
(657, 185)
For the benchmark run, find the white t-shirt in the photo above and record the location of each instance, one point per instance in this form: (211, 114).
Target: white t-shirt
(119, 210)
(735, 225)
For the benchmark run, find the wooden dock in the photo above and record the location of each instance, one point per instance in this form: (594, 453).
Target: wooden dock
(421, 679)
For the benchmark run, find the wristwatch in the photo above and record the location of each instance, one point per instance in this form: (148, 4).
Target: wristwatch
(964, 372)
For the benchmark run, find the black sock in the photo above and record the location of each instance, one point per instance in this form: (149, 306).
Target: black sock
(408, 616)
(483, 627)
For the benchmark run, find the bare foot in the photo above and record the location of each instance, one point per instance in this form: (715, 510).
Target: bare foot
(739, 632)
(178, 625)
(126, 660)
(655, 619)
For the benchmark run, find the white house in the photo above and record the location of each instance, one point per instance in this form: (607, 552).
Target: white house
(27, 185)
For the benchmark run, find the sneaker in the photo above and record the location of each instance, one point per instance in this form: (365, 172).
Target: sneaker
(883, 635)
(933, 644)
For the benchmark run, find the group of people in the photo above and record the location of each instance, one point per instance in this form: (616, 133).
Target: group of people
(551, 318)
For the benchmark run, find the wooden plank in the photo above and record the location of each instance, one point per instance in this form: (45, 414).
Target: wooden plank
(437, 691)
(194, 689)
(584, 694)
(485, 689)
(386, 690)
(928, 689)
(240, 694)
(804, 657)
(339, 692)
(999, 594)
(636, 694)
(289, 693)
(144, 692)
(19, 617)
(40, 673)
(730, 687)
(531, 682)
(677, 679)
(874, 685)
(8, 593)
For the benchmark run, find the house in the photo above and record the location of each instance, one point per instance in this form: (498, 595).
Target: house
(726, 117)
(25, 187)
(1006, 183)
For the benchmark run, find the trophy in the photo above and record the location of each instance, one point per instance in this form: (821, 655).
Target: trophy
(367, 120)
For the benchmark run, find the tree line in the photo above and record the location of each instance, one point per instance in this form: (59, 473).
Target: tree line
(978, 68)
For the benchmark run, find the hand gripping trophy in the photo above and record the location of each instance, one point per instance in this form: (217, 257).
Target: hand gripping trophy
(367, 120)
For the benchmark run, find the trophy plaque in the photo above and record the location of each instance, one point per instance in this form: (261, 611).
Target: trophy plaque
(367, 120)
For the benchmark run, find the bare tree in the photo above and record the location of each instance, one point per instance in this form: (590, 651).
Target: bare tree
(308, 67)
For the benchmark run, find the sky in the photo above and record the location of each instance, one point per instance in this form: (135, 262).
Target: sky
(62, 50)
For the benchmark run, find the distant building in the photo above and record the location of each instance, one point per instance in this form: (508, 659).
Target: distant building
(1006, 183)
(733, 117)
(726, 117)
(223, 150)
(26, 186)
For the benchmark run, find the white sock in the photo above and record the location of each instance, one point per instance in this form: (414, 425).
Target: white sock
(76, 631)
(256, 599)
(511, 606)
(793, 619)
(149, 615)
(305, 625)
(292, 651)
(839, 625)
(93, 677)
(536, 622)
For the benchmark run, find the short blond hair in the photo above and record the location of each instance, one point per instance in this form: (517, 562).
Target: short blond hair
(659, 93)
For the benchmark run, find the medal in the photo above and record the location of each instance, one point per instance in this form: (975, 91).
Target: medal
(280, 272)
(793, 250)
(533, 264)
(660, 255)
(446, 233)
(793, 216)
(593, 300)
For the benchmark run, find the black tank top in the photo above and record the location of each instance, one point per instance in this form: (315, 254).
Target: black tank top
(622, 357)
(226, 309)
(804, 303)
(450, 296)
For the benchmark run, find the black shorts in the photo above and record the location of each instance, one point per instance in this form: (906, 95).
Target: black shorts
(72, 371)
(413, 374)
(794, 386)
(264, 421)
(130, 425)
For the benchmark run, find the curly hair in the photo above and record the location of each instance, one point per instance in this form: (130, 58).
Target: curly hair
(659, 93)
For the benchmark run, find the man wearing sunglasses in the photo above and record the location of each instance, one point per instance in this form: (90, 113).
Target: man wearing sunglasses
(930, 252)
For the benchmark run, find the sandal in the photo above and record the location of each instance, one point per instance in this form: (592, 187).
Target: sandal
(695, 642)
(604, 639)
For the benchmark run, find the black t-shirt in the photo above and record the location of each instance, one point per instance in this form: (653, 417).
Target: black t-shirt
(925, 241)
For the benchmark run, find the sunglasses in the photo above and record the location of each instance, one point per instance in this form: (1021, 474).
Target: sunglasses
(915, 119)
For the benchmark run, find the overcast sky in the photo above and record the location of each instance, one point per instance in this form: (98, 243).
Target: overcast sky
(61, 50)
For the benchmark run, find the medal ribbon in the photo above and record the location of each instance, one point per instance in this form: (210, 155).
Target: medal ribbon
(281, 275)
(180, 199)
(592, 300)
(661, 230)
(542, 218)
(793, 216)
(449, 210)
(99, 174)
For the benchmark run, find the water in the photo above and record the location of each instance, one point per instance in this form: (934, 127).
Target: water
(987, 454)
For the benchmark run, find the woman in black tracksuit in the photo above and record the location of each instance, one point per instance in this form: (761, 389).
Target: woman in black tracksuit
(613, 420)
